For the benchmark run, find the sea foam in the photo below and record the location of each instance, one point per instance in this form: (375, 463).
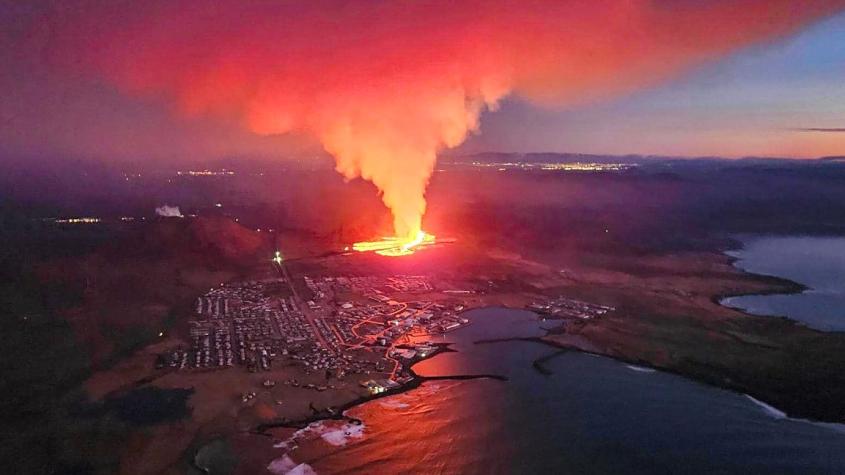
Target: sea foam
(286, 466)
(778, 414)
(640, 369)
(341, 436)
(772, 411)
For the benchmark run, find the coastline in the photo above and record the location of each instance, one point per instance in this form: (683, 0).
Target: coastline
(617, 326)
(721, 376)
(778, 414)
(339, 413)
(779, 286)
(582, 344)
(774, 286)
(812, 262)
(645, 366)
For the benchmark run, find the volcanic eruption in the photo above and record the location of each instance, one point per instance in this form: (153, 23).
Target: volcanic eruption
(386, 86)
(396, 246)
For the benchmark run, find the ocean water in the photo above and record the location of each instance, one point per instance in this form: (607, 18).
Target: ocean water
(816, 262)
(145, 406)
(590, 415)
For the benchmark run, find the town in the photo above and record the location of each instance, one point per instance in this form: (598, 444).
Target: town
(565, 309)
(372, 328)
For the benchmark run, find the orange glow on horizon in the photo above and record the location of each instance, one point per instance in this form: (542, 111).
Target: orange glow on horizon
(386, 86)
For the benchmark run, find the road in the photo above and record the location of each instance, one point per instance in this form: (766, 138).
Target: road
(309, 316)
(303, 307)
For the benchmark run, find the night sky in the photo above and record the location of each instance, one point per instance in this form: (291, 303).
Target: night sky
(716, 91)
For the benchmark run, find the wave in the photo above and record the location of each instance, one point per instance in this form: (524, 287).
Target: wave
(332, 432)
(341, 436)
(640, 369)
(772, 411)
(286, 466)
(393, 404)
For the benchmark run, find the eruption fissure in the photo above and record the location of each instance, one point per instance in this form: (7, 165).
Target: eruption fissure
(396, 246)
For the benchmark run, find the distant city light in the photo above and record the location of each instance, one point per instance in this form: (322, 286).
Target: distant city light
(84, 220)
(222, 172)
(560, 166)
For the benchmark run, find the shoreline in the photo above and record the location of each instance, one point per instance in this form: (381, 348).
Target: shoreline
(772, 285)
(791, 287)
(538, 364)
(647, 367)
(778, 414)
(340, 412)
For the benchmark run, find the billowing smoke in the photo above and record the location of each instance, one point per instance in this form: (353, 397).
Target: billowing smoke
(169, 211)
(386, 85)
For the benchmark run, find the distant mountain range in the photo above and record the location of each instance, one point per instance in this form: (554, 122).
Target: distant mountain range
(551, 157)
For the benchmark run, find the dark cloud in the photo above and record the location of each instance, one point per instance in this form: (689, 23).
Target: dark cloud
(820, 129)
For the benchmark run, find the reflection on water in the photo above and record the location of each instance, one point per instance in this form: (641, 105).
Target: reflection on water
(818, 263)
(592, 415)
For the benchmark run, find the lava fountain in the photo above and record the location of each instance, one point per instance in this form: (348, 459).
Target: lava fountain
(386, 86)
(396, 246)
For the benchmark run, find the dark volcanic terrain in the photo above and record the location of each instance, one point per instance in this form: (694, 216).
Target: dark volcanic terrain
(84, 304)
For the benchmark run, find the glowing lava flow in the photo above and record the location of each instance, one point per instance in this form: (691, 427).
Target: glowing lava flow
(395, 246)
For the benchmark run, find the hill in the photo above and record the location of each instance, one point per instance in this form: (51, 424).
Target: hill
(135, 286)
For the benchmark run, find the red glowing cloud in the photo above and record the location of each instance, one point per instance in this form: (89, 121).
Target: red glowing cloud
(385, 85)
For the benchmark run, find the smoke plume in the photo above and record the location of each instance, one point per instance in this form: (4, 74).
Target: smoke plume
(168, 211)
(386, 85)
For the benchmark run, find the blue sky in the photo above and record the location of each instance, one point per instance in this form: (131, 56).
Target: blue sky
(751, 103)
(754, 102)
